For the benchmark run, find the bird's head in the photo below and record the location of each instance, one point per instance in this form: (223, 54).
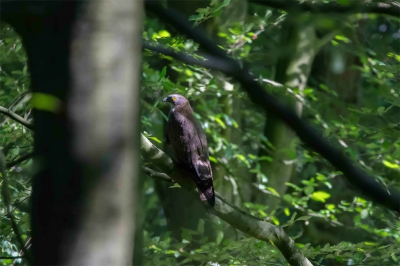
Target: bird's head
(176, 100)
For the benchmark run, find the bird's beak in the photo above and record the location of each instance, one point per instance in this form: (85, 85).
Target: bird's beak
(165, 99)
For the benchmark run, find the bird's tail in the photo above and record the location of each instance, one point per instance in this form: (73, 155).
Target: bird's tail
(207, 195)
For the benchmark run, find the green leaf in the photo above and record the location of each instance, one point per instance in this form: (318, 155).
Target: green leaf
(243, 159)
(235, 124)
(212, 159)
(15, 151)
(390, 165)
(162, 74)
(203, 10)
(273, 191)
(155, 139)
(275, 220)
(286, 211)
(164, 34)
(196, 17)
(342, 38)
(309, 189)
(265, 158)
(365, 110)
(45, 102)
(200, 226)
(220, 236)
(330, 206)
(185, 261)
(293, 217)
(220, 122)
(303, 218)
(320, 196)
(175, 185)
(339, 259)
(380, 110)
(186, 235)
(197, 256)
(221, 5)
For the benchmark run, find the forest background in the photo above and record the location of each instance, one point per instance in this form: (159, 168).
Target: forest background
(335, 63)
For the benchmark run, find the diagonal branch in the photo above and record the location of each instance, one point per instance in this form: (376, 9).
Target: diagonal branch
(384, 8)
(228, 212)
(11, 258)
(357, 177)
(16, 118)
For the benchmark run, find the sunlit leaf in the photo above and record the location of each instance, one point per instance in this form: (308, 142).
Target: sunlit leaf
(391, 165)
(273, 191)
(155, 139)
(164, 34)
(212, 159)
(220, 122)
(320, 196)
(175, 185)
(45, 102)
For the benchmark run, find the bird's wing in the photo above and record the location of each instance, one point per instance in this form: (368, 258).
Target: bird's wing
(201, 164)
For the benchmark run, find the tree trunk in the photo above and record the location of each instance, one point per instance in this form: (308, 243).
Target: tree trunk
(84, 59)
(293, 68)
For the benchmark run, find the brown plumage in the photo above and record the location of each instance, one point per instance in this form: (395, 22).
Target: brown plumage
(189, 143)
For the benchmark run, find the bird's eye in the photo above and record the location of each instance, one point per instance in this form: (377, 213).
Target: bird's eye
(174, 98)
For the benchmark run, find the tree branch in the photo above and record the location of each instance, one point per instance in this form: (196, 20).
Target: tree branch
(12, 258)
(358, 178)
(20, 160)
(7, 202)
(228, 212)
(354, 7)
(208, 62)
(16, 118)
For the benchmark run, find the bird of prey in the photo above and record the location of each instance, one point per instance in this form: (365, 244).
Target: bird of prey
(189, 143)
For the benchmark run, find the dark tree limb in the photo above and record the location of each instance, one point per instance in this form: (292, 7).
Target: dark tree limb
(15, 117)
(12, 258)
(208, 62)
(228, 212)
(7, 202)
(20, 160)
(358, 178)
(355, 6)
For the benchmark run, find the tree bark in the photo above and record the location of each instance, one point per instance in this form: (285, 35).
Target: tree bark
(293, 68)
(84, 60)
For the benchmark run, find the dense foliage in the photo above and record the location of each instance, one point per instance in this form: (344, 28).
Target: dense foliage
(341, 72)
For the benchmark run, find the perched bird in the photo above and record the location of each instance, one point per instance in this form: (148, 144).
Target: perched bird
(189, 143)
